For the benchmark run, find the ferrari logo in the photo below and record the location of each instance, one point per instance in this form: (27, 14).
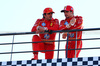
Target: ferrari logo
(64, 8)
(49, 8)
(51, 24)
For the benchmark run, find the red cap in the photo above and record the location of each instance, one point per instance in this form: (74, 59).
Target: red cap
(68, 8)
(48, 10)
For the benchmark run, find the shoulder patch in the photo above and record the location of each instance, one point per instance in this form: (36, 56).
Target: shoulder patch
(40, 19)
(62, 21)
(55, 20)
(78, 16)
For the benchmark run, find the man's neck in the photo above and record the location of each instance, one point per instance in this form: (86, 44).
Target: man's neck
(48, 19)
(70, 17)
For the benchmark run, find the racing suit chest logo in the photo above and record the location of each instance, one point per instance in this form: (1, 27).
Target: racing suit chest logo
(46, 36)
(66, 23)
(43, 24)
(51, 24)
(71, 35)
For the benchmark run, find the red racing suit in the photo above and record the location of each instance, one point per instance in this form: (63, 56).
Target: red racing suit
(50, 25)
(72, 35)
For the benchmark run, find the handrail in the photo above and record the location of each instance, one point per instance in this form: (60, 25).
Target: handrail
(50, 50)
(23, 33)
(49, 41)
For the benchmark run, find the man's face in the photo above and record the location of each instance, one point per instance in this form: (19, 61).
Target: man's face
(48, 16)
(67, 14)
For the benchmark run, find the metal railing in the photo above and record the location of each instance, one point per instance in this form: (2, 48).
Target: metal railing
(59, 31)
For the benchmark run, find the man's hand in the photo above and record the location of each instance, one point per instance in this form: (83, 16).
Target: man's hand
(68, 26)
(72, 21)
(40, 29)
(37, 31)
(64, 35)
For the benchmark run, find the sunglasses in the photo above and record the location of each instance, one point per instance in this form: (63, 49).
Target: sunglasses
(49, 13)
(66, 11)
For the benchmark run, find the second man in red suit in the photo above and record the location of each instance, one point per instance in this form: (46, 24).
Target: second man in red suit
(72, 22)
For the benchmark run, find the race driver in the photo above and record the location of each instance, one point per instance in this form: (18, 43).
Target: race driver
(71, 22)
(49, 24)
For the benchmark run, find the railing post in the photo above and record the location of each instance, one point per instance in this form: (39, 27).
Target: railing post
(58, 45)
(67, 44)
(12, 48)
(75, 44)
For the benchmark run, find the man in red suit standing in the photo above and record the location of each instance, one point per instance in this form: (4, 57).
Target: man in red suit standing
(46, 23)
(71, 22)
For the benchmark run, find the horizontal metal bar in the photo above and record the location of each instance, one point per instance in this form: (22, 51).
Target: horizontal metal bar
(22, 33)
(49, 41)
(50, 50)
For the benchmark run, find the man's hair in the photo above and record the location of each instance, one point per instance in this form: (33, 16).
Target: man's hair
(44, 14)
(71, 11)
